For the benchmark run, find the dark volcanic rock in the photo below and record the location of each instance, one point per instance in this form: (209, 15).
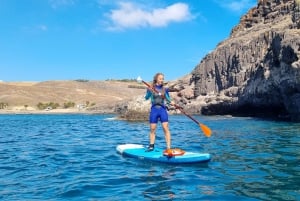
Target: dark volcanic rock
(255, 72)
(134, 115)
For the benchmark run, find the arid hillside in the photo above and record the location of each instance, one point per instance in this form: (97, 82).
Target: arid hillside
(99, 96)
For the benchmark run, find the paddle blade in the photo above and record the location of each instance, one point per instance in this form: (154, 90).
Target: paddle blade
(206, 130)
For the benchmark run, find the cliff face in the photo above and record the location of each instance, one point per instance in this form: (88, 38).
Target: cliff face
(256, 71)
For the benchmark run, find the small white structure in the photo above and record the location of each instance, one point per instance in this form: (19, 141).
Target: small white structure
(81, 106)
(48, 108)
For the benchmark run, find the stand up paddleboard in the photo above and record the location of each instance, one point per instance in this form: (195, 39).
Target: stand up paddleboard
(158, 155)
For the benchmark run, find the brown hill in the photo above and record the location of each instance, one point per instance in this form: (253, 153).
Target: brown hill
(99, 96)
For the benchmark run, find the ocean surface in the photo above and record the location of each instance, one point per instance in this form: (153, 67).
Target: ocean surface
(73, 157)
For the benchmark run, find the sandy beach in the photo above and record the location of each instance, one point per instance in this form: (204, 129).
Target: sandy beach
(53, 111)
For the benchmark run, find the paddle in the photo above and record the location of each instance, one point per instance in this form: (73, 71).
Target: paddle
(206, 130)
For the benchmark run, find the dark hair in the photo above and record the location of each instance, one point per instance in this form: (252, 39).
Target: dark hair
(155, 77)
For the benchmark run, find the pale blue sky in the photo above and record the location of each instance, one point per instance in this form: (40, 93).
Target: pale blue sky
(110, 39)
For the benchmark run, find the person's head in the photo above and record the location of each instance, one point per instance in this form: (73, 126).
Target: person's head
(158, 79)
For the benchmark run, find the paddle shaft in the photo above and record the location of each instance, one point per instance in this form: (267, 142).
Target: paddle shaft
(176, 106)
(189, 116)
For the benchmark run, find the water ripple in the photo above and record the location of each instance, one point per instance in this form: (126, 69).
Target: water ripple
(63, 157)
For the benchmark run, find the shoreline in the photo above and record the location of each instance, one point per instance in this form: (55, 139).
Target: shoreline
(53, 111)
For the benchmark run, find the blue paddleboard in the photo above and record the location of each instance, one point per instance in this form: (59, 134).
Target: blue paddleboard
(140, 152)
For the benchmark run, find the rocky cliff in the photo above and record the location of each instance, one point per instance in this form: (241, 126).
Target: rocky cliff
(255, 72)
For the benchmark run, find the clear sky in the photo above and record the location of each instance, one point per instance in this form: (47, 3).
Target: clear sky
(111, 39)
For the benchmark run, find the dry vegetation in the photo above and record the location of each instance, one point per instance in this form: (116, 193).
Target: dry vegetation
(98, 94)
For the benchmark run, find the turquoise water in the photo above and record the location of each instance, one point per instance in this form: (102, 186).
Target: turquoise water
(73, 157)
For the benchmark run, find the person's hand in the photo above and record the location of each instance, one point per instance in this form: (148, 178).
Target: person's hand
(149, 90)
(172, 103)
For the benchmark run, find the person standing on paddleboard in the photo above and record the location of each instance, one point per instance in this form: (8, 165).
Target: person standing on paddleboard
(159, 96)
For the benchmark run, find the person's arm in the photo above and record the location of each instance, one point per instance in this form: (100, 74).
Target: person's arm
(168, 98)
(148, 94)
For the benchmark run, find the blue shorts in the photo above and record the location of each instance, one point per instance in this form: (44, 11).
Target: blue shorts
(158, 113)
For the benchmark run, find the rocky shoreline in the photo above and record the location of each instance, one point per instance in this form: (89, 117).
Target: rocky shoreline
(256, 71)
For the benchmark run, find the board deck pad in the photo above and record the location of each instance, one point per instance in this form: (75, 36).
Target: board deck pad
(140, 152)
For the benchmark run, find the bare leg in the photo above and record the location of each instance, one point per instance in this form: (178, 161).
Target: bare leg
(165, 126)
(152, 133)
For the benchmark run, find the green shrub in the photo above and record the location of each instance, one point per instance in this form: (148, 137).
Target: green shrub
(42, 106)
(3, 105)
(81, 80)
(69, 104)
